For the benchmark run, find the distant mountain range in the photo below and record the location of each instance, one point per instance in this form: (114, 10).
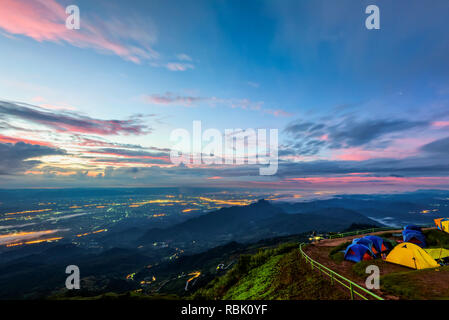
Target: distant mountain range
(205, 240)
(256, 221)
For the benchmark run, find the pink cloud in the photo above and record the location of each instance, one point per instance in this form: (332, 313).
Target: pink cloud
(178, 66)
(184, 57)
(170, 98)
(163, 158)
(45, 21)
(398, 149)
(336, 181)
(278, 113)
(70, 122)
(440, 123)
(7, 139)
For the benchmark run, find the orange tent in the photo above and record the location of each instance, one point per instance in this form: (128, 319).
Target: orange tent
(438, 222)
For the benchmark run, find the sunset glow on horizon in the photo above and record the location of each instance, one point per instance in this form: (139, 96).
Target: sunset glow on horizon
(95, 107)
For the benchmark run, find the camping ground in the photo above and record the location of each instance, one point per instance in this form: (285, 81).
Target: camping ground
(396, 282)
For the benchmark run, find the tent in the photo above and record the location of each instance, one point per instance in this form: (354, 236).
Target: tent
(367, 243)
(412, 227)
(445, 225)
(415, 237)
(438, 253)
(410, 255)
(380, 244)
(438, 222)
(358, 252)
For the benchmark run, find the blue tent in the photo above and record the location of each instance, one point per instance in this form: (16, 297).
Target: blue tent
(415, 237)
(380, 244)
(357, 252)
(412, 227)
(367, 243)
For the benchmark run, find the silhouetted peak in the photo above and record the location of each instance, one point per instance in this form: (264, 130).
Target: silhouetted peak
(262, 202)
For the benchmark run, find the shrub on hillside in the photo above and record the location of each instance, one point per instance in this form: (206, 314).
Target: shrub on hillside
(437, 238)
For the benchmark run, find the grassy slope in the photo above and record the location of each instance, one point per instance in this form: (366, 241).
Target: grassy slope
(272, 274)
(256, 284)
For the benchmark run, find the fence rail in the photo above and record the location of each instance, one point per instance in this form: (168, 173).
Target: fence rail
(370, 230)
(354, 233)
(354, 288)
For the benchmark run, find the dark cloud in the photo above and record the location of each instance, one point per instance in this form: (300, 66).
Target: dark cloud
(310, 137)
(299, 127)
(438, 146)
(71, 122)
(131, 153)
(244, 175)
(88, 141)
(353, 133)
(412, 166)
(14, 156)
(303, 148)
(135, 161)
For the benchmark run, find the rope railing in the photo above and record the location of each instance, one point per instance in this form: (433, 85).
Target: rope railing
(354, 289)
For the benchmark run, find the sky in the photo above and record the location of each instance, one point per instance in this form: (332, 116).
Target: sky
(356, 110)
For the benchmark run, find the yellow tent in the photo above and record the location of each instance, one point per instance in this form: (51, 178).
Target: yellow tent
(438, 253)
(410, 255)
(445, 226)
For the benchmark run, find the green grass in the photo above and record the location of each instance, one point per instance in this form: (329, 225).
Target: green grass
(400, 285)
(387, 235)
(272, 275)
(338, 257)
(296, 280)
(336, 254)
(218, 287)
(285, 277)
(340, 247)
(359, 268)
(256, 284)
(410, 285)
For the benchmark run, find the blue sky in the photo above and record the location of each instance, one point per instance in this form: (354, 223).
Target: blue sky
(376, 95)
